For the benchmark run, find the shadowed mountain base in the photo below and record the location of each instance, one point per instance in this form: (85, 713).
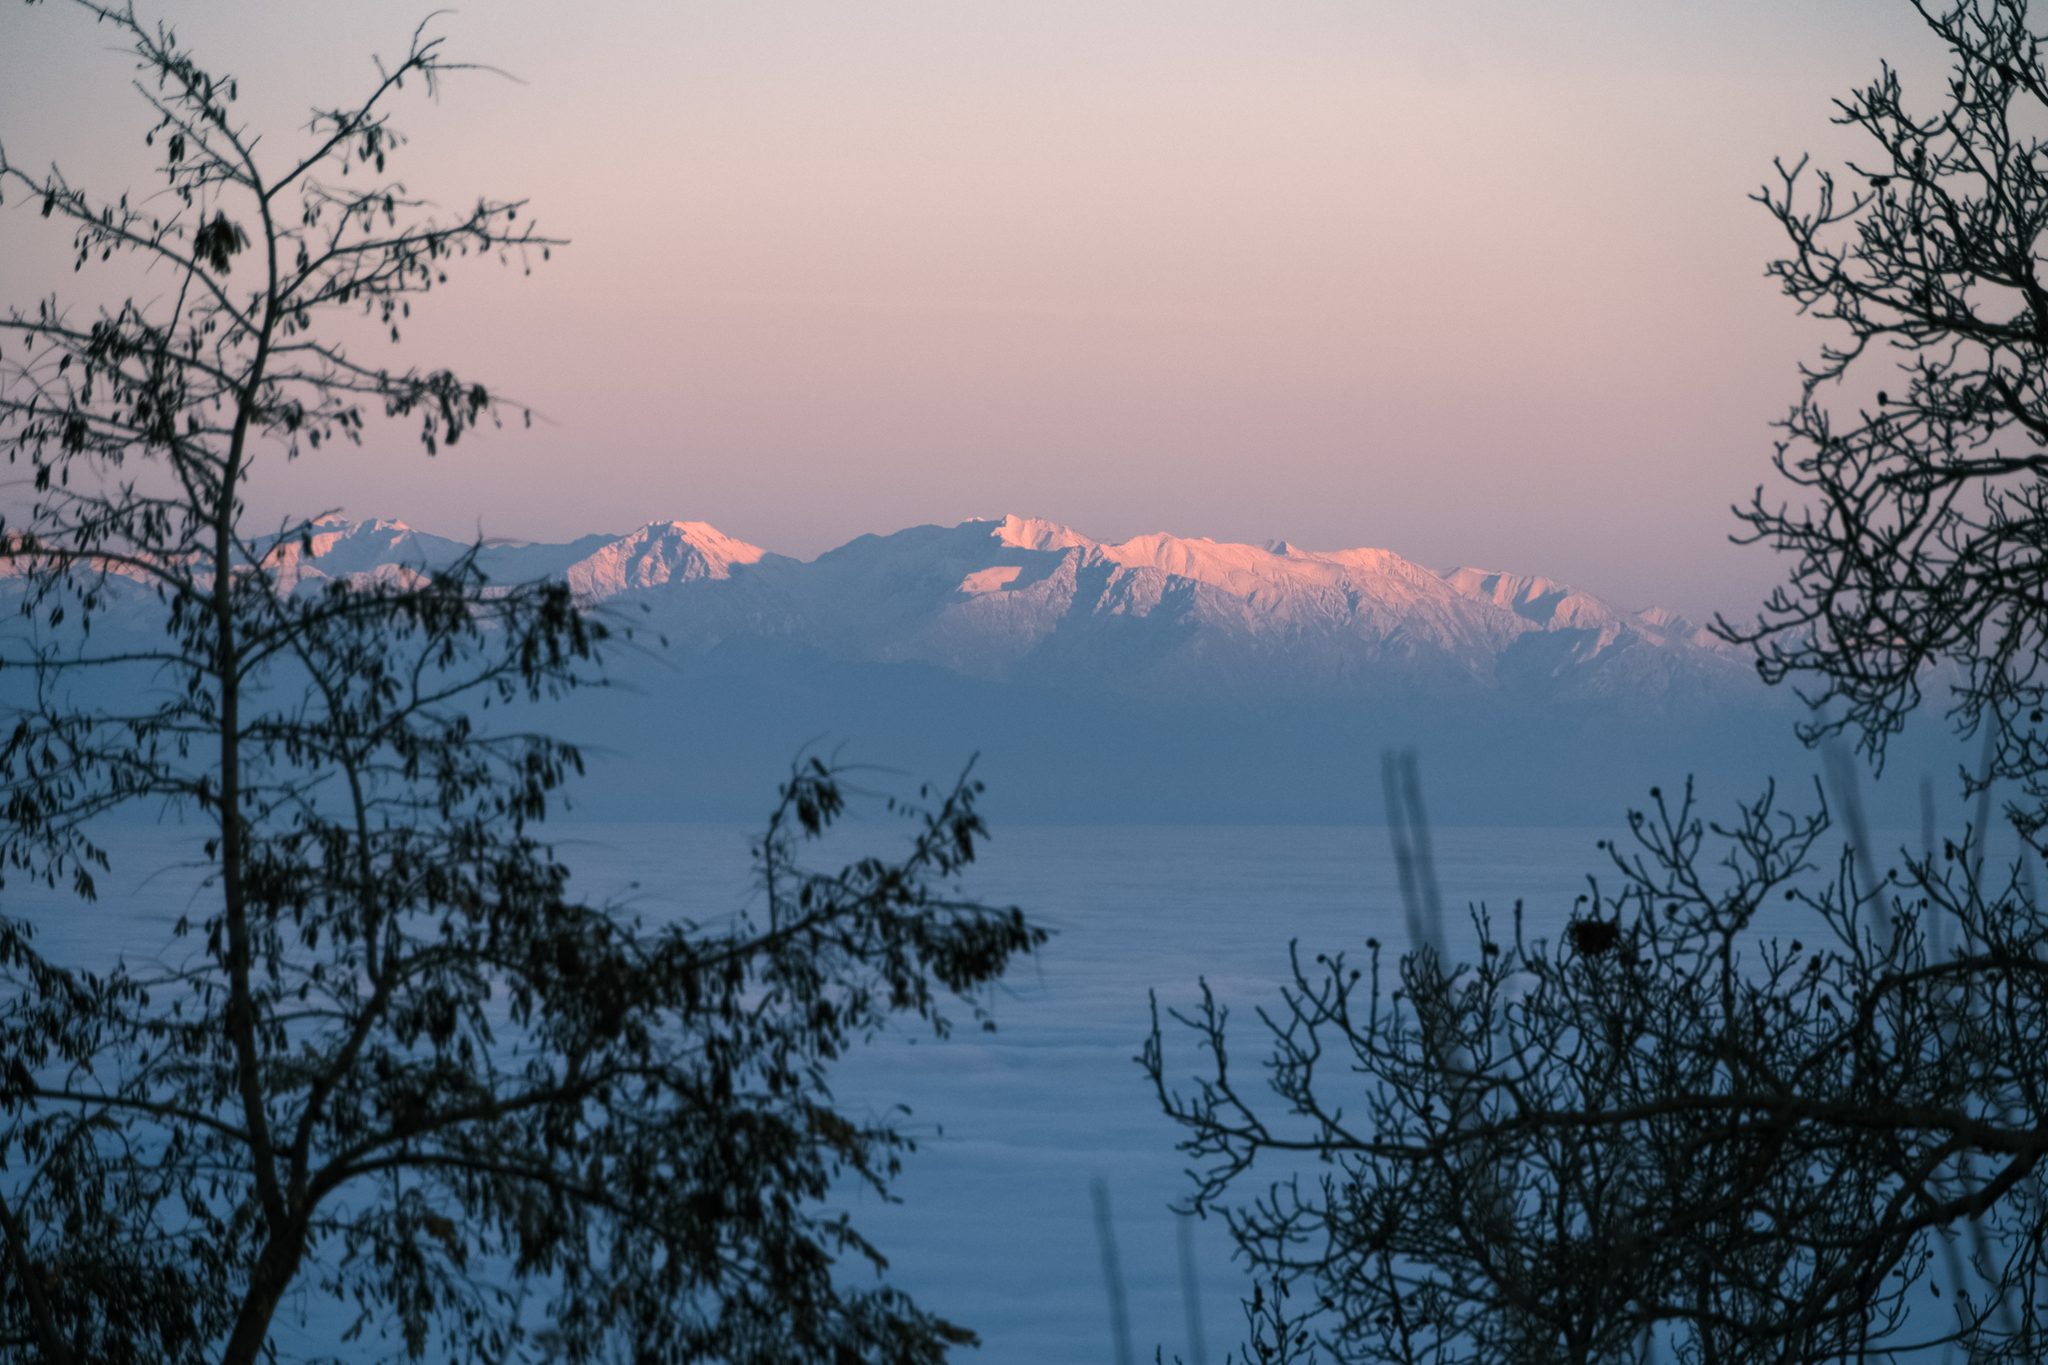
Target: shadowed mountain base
(707, 737)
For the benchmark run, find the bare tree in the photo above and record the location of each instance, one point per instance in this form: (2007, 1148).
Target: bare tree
(388, 1061)
(1919, 533)
(1758, 1103)
(1680, 1125)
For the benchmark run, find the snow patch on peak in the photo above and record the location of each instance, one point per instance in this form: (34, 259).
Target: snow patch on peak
(1552, 605)
(329, 531)
(1670, 626)
(1267, 572)
(1034, 533)
(661, 552)
(1249, 570)
(1224, 564)
(341, 547)
(990, 580)
(596, 567)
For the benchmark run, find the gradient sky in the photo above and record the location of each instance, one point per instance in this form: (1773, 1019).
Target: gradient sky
(1476, 280)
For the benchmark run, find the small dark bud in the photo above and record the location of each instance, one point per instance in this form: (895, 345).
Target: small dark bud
(1883, 398)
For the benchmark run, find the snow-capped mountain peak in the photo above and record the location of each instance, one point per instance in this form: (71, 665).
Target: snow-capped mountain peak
(1031, 533)
(661, 552)
(1551, 605)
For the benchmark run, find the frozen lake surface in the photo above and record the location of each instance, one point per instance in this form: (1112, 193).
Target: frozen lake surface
(996, 1227)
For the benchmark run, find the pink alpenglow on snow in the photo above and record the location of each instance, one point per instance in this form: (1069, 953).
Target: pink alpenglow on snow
(1028, 600)
(1021, 599)
(665, 552)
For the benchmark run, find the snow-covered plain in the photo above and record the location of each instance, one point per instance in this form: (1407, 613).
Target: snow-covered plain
(995, 1229)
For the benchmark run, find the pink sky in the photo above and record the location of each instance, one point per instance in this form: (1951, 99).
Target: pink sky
(1474, 282)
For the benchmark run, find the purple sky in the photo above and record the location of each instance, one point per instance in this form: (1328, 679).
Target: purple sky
(1475, 281)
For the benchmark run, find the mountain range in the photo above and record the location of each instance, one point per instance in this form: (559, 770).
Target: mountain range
(1159, 679)
(1158, 618)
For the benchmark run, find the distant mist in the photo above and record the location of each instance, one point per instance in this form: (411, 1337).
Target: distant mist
(706, 737)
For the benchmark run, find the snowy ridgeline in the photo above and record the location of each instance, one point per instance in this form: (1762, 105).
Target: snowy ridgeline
(1158, 617)
(1158, 680)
